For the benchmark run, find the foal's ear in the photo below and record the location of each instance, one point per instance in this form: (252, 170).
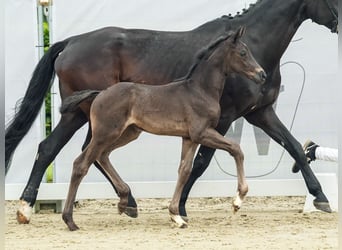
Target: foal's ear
(239, 33)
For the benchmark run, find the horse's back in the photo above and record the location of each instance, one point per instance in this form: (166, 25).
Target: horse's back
(98, 59)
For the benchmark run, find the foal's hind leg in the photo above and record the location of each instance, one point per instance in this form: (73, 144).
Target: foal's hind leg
(95, 150)
(188, 151)
(211, 138)
(80, 169)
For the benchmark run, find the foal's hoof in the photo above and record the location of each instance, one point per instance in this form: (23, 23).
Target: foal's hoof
(24, 212)
(235, 208)
(131, 212)
(72, 226)
(236, 204)
(323, 206)
(67, 218)
(179, 221)
(185, 218)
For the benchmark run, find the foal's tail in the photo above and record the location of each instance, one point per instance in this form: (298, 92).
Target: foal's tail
(71, 103)
(30, 105)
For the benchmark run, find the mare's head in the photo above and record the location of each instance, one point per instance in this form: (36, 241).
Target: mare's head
(240, 59)
(323, 12)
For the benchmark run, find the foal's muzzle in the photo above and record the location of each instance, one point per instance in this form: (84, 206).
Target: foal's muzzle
(260, 77)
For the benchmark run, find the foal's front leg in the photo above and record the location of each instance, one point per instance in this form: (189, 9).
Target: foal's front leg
(188, 152)
(211, 138)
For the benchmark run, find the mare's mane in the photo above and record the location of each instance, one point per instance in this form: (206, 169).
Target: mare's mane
(204, 54)
(244, 11)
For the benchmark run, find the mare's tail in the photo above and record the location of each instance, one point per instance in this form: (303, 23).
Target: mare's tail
(71, 103)
(29, 108)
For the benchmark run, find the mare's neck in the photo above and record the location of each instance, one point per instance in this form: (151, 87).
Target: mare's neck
(271, 26)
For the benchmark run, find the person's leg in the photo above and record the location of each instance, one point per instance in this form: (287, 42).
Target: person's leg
(314, 152)
(309, 148)
(326, 154)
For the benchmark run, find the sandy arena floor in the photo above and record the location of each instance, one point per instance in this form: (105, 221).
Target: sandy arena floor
(262, 223)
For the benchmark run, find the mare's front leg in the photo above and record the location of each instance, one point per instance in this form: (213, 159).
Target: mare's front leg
(211, 138)
(267, 120)
(188, 152)
(47, 151)
(201, 163)
(131, 208)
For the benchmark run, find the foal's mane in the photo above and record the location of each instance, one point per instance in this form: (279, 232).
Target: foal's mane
(204, 54)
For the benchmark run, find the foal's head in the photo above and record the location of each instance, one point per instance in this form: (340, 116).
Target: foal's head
(240, 60)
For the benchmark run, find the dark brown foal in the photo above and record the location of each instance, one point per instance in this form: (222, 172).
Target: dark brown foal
(188, 108)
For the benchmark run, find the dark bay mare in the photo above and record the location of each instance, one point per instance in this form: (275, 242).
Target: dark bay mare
(188, 108)
(99, 59)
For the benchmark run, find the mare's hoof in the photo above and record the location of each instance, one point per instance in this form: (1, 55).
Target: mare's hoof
(24, 212)
(22, 219)
(131, 212)
(323, 206)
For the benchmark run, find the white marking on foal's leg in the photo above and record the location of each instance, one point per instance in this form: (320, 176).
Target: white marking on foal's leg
(179, 221)
(24, 212)
(237, 202)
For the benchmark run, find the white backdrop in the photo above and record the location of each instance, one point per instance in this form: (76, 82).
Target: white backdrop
(21, 56)
(152, 158)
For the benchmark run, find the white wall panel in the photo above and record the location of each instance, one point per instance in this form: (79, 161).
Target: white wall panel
(21, 56)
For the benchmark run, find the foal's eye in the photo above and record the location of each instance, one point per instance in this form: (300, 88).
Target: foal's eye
(243, 53)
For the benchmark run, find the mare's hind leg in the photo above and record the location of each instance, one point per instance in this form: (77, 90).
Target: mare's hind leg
(211, 138)
(47, 151)
(131, 209)
(188, 151)
(267, 120)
